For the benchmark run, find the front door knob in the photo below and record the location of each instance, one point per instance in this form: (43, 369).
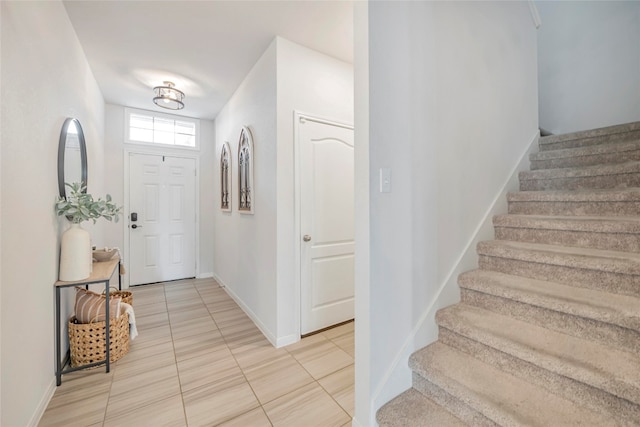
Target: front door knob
(306, 238)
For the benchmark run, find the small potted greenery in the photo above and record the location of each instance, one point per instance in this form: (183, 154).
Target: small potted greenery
(79, 206)
(75, 246)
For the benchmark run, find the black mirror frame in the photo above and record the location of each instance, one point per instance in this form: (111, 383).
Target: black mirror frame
(83, 155)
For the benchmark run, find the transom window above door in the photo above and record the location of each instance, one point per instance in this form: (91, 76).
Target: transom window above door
(147, 127)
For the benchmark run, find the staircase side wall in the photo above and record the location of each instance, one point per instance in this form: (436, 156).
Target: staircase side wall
(453, 110)
(589, 64)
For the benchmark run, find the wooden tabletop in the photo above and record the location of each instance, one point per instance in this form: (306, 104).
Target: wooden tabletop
(102, 272)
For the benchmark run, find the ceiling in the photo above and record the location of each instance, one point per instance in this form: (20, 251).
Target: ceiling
(205, 47)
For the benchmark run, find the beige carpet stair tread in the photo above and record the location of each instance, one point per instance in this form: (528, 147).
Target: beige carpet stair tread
(608, 132)
(501, 397)
(584, 258)
(599, 195)
(601, 224)
(621, 310)
(615, 147)
(547, 332)
(582, 171)
(614, 371)
(413, 409)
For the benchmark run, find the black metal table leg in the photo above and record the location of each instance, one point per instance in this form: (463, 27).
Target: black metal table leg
(58, 361)
(107, 337)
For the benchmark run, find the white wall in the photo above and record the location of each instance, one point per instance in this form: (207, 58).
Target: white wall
(114, 184)
(245, 245)
(44, 80)
(589, 64)
(363, 390)
(254, 254)
(317, 84)
(452, 111)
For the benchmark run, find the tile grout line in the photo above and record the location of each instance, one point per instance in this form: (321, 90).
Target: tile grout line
(239, 367)
(104, 418)
(237, 364)
(112, 378)
(317, 381)
(314, 380)
(175, 358)
(203, 295)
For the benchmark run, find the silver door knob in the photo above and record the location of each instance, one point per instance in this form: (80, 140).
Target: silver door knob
(306, 238)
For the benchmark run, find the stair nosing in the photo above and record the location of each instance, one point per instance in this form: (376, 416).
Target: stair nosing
(576, 172)
(532, 351)
(462, 381)
(411, 395)
(585, 223)
(630, 194)
(586, 151)
(632, 127)
(608, 303)
(581, 258)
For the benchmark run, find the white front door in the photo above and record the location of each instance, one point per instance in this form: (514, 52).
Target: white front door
(162, 202)
(326, 171)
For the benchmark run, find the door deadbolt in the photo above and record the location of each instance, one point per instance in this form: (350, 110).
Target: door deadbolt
(306, 238)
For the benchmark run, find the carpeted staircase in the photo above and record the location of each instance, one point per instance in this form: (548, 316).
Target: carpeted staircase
(548, 329)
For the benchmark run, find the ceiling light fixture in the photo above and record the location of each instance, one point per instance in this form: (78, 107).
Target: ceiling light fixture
(168, 96)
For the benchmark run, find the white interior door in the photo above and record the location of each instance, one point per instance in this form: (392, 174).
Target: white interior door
(162, 238)
(326, 170)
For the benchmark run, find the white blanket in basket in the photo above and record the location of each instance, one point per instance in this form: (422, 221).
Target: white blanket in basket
(133, 332)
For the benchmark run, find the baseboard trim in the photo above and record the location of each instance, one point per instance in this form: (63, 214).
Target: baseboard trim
(448, 292)
(43, 404)
(265, 331)
(205, 275)
(287, 340)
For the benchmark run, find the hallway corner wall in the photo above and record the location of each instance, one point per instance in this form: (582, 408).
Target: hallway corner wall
(453, 107)
(44, 80)
(589, 64)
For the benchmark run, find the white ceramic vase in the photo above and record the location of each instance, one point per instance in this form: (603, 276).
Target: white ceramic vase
(75, 254)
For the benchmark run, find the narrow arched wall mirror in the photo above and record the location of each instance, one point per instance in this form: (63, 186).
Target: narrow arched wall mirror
(72, 155)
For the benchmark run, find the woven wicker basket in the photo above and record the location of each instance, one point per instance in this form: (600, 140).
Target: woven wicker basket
(87, 340)
(126, 296)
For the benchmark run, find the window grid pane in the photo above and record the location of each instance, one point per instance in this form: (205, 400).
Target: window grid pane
(185, 128)
(160, 130)
(140, 121)
(186, 140)
(144, 135)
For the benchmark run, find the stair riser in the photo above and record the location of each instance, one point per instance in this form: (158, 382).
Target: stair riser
(626, 242)
(608, 208)
(593, 279)
(451, 403)
(586, 142)
(622, 180)
(624, 411)
(587, 160)
(604, 333)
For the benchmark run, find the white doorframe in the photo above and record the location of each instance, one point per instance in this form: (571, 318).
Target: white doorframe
(297, 117)
(125, 229)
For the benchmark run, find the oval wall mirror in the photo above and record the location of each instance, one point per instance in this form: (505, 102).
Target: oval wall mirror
(72, 155)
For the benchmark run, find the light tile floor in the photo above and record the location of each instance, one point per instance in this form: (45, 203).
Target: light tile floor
(200, 361)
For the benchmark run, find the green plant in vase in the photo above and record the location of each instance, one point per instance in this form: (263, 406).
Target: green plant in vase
(79, 206)
(75, 246)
